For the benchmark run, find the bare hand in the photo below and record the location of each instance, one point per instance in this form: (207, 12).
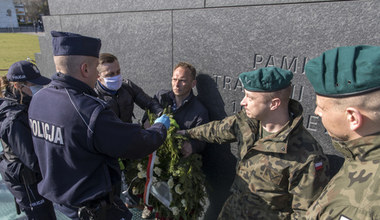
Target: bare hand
(181, 132)
(186, 150)
(147, 124)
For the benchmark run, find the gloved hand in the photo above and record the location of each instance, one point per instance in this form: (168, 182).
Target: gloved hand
(164, 119)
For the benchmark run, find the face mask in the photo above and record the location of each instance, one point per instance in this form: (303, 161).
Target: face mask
(35, 88)
(113, 83)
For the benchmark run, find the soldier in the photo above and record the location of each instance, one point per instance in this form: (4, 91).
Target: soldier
(18, 162)
(346, 81)
(78, 139)
(281, 168)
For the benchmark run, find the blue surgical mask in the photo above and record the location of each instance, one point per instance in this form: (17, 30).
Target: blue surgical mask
(113, 83)
(35, 88)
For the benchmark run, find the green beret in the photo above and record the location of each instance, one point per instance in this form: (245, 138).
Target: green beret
(267, 79)
(345, 71)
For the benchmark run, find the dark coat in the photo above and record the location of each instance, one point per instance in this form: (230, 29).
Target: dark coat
(122, 102)
(190, 114)
(15, 132)
(79, 140)
(19, 164)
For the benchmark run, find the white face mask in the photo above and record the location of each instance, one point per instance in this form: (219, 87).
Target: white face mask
(113, 83)
(35, 88)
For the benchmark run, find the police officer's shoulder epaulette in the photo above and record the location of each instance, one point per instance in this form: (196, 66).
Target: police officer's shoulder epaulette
(102, 102)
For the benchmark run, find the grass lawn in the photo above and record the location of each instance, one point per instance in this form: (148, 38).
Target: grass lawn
(15, 47)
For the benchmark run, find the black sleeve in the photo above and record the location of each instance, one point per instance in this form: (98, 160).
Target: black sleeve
(143, 100)
(19, 138)
(119, 139)
(161, 99)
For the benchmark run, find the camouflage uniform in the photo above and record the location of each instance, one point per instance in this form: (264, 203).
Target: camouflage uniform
(354, 192)
(278, 176)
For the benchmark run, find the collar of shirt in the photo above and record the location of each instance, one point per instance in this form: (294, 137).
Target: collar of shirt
(186, 100)
(281, 137)
(61, 80)
(364, 149)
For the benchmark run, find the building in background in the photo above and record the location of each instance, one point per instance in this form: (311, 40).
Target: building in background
(30, 11)
(8, 15)
(21, 13)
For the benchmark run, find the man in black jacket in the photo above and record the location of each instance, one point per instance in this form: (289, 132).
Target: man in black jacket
(187, 110)
(121, 94)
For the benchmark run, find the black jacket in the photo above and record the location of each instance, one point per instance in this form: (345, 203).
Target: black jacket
(190, 114)
(78, 140)
(122, 102)
(15, 132)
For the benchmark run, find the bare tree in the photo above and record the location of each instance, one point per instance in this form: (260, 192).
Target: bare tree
(36, 8)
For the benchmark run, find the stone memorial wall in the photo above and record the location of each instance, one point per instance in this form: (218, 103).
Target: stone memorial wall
(221, 38)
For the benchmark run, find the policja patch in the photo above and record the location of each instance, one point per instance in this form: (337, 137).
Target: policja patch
(49, 132)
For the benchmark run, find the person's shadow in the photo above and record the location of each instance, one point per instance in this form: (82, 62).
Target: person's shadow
(218, 161)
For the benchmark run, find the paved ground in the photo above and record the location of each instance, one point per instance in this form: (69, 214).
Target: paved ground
(8, 210)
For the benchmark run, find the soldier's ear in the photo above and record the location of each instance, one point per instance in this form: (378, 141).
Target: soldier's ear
(354, 118)
(276, 102)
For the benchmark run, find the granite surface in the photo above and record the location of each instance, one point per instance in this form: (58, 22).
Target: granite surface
(221, 39)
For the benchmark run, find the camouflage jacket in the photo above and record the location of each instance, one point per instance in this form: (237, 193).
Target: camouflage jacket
(279, 176)
(354, 192)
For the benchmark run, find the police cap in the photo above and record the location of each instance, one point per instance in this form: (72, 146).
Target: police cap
(267, 79)
(66, 43)
(345, 71)
(22, 71)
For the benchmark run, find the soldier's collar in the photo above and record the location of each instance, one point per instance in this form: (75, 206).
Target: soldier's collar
(364, 148)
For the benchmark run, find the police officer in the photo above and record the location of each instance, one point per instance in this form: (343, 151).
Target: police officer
(78, 139)
(19, 165)
(281, 168)
(346, 81)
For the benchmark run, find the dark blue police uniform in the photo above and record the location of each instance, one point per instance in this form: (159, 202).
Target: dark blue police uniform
(78, 140)
(19, 165)
(18, 162)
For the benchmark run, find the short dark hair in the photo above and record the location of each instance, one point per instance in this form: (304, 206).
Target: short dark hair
(187, 66)
(107, 58)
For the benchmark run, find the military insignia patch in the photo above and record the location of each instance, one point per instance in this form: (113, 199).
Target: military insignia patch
(342, 217)
(318, 166)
